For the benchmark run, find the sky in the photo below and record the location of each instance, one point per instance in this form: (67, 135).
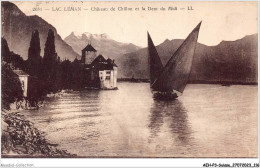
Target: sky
(226, 21)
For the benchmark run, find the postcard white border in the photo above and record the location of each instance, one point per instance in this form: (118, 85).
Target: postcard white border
(129, 162)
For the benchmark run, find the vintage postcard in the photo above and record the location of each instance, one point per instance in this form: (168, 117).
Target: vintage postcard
(129, 79)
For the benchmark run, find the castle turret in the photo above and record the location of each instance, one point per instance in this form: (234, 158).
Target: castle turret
(88, 54)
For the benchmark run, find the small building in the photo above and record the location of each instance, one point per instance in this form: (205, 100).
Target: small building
(100, 72)
(23, 77)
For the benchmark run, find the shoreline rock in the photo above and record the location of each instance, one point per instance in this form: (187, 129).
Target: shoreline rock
(20, 138)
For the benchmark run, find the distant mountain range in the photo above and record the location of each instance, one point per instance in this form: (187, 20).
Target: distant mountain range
(102, 43)
(229, 61)
(17, 30)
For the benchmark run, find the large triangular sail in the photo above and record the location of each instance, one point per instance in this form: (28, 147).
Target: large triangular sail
(154, 62)
(176, 72)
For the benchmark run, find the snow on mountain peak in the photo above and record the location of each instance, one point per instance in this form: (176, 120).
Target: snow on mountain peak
(89, 35)
(77, 34)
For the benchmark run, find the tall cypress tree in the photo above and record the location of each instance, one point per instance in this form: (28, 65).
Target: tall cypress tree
(50, 56)
(35, 48)
(50, 62)
(34, 57)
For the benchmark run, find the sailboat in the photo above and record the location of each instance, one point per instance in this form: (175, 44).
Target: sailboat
(169, 81)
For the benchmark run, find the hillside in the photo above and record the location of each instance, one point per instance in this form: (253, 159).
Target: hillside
(229, 61)
(17, 29)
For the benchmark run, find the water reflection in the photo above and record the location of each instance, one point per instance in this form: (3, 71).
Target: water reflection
(90, 94)
(128, 122)
(156, 118)
(174, 115)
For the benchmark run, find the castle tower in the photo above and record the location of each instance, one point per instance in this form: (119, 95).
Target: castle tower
(88, 54)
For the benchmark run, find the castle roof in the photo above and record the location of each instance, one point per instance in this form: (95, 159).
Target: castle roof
(89, 47)
(98, 59)
(103, 64)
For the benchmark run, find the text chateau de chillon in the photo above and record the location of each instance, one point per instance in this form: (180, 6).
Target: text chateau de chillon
(100, 72)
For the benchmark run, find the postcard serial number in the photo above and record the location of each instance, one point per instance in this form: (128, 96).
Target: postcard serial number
(37, 9)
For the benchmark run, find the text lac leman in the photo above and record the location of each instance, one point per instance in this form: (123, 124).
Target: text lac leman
(66, 9)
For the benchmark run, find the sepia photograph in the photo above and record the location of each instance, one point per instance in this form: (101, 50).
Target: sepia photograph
(147, 79)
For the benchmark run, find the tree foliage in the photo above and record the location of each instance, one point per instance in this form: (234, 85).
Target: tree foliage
(47, 74)
(11, 58)
(5, 51)
(71, 75)
(34, 57)
(36, 91)
(50, 64)
(50, 55)
(11, 87)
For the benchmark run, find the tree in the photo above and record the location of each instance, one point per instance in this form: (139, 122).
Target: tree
(50, 63)
(11, 87)
(17, 61)
(64, 75)
(78, 76)
(50, 55)
(34, 57)
(36, 92)
(5, 51)
(10, 57)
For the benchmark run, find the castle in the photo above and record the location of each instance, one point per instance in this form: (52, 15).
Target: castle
(100, 72)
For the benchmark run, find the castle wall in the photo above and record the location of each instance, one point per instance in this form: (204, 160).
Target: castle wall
(108, 79)
(89, 57)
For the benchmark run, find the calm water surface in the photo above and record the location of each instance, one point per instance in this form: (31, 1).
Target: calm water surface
(206, 121)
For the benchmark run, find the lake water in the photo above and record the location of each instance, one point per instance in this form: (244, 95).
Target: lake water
(206, 121)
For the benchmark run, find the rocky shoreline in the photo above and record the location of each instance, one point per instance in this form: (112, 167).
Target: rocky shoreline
(21, 139)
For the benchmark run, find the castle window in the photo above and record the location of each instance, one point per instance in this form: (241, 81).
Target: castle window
(108, 72)
(108, 77)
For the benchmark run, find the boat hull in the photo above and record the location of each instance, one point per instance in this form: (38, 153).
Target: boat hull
(164, 95)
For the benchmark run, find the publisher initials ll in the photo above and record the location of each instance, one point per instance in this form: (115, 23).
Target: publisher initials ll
(190, 8)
